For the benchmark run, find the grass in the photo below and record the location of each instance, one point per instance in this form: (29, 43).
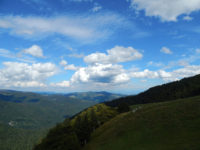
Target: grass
(168, 126)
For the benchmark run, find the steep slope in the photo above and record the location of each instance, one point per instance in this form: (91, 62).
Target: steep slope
(168, 125)
(74, 133)
(186, 87)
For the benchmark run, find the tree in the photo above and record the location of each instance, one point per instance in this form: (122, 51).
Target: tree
(62, 137)
(123, 107)
(83, 129)
(94, 120)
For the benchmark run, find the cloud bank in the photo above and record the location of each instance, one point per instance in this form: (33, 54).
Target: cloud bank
(166, 10)
(16, 74)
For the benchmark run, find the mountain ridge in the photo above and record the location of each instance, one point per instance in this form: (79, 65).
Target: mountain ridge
(186, 87)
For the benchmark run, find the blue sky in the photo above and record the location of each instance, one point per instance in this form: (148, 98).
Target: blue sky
(123, 46)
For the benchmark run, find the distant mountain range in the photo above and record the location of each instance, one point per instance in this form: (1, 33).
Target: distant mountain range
(102, 96)
(19, 96)
(26, 106)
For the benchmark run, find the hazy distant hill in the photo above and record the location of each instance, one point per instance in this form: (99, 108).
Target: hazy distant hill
(31, 110)
(95, 96)
(25, 117)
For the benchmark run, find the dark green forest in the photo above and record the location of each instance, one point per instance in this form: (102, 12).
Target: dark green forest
(74, 133)
(186, 87)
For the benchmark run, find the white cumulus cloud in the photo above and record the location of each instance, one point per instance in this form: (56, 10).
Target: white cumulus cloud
(167, 10)
(35, 51)
(115, 55)
(16, 74)
(101, 73)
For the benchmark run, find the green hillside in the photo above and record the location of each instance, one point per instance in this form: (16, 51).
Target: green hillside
(167, 126)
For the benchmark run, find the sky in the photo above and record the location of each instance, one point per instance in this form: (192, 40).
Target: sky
(121, 46)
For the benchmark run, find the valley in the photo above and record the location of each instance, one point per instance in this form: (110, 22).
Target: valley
(26, 117)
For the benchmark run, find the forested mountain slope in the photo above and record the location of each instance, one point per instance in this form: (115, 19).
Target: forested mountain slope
(74, 133)
(186, 87)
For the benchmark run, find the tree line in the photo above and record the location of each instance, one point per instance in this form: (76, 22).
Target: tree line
(184, 88)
